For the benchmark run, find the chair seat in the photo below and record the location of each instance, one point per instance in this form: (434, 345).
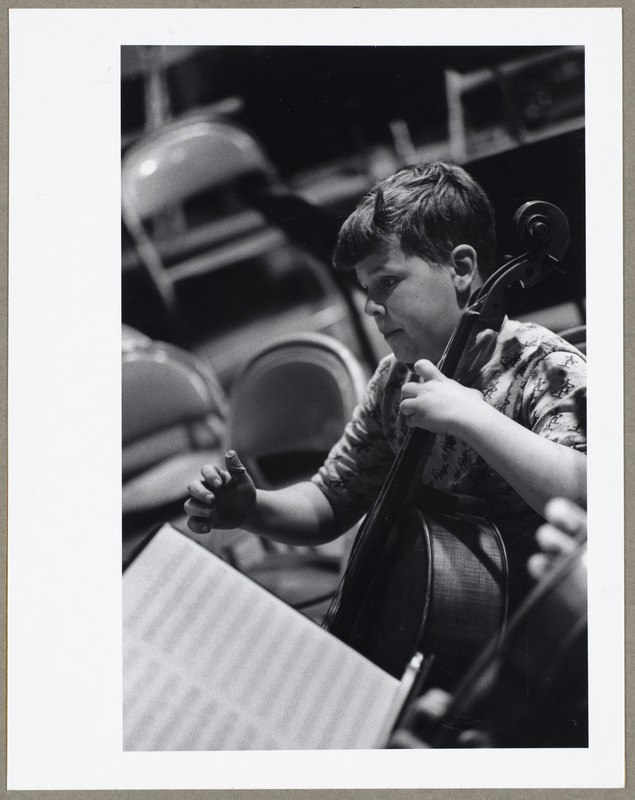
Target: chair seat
(166, 482)
(305, 581)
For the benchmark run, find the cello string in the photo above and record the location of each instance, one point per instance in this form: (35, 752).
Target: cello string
(410, 450)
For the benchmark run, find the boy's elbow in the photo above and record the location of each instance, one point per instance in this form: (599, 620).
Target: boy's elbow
(325, 525)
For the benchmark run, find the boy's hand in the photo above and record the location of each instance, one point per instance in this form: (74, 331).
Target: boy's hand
(223, 499)
(560, 535)
(437, 404)
(425, 713)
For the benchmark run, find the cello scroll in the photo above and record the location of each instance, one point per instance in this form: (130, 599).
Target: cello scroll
(544, 230)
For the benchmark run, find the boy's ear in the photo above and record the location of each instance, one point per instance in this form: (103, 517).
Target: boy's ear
(464, 262)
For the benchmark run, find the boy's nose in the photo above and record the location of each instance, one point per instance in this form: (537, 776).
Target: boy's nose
(373, 309)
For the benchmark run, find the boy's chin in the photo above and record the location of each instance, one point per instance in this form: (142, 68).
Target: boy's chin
(403, 354)
(408, 357)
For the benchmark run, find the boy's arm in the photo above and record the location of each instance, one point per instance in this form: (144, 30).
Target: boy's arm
(537, 468)
(299, 515)
(227, 498)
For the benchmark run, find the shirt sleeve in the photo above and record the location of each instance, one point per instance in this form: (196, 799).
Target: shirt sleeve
(554, 399)
(358, 464)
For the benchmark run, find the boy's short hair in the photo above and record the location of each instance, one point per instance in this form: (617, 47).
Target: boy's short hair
(427, 210)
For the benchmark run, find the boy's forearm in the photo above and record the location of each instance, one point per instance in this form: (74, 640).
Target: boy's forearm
(537, 468)
(296, 515)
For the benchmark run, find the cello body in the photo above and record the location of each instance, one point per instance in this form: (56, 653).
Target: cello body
(529, 688)
(442, 590)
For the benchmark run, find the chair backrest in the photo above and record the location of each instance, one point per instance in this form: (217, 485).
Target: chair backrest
(290, 405)
(184, 158)
(171, 403)
(575, 336)
(566, 319)
(182, 161)
(556, 318)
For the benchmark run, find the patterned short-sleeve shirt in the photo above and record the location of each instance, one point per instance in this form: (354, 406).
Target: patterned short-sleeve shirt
(525, 371)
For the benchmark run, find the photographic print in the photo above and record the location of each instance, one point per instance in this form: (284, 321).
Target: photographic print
(343, 295)
(252, 158)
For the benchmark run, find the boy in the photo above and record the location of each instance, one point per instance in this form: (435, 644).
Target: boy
(512, 433)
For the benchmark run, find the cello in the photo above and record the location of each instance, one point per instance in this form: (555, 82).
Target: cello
(428, 572)
(515, 695)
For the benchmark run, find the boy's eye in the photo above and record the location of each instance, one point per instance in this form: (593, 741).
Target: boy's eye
(387, 283)
(384, 283)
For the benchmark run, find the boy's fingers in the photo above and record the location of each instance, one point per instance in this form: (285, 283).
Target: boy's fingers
(199, 491)
(537, 565)
(554, 541)
(198, 525)
(427, 370)
(432, 705)
(225, 477)
(407, 407)
(211, 476)
(235, 467)
(409, 390)
(566, 516)
(197, 509)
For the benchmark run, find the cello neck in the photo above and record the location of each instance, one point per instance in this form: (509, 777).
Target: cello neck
(410, 462)
(404, 479)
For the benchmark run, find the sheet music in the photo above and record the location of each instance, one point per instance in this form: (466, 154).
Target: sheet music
(214, 662)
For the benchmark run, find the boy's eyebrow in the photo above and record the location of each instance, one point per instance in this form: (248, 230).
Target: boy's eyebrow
(377, 268)
(383, 266)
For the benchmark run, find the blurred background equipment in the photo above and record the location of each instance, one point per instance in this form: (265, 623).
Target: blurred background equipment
(173, 420)
(511, 103)
(290, 405)
(251, 223)
(168, 169)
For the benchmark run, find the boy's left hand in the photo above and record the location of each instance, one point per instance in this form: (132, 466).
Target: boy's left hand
(565, 527)
(437, 403)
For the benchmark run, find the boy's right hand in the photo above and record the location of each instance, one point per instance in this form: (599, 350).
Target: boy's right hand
(224, 498)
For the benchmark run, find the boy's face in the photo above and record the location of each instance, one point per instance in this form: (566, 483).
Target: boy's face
(414, 304)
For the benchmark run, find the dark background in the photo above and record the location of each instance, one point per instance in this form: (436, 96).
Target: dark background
(324, 116)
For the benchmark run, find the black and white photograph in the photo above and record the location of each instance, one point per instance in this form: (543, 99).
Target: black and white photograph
(248, 347)
(338, 344)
